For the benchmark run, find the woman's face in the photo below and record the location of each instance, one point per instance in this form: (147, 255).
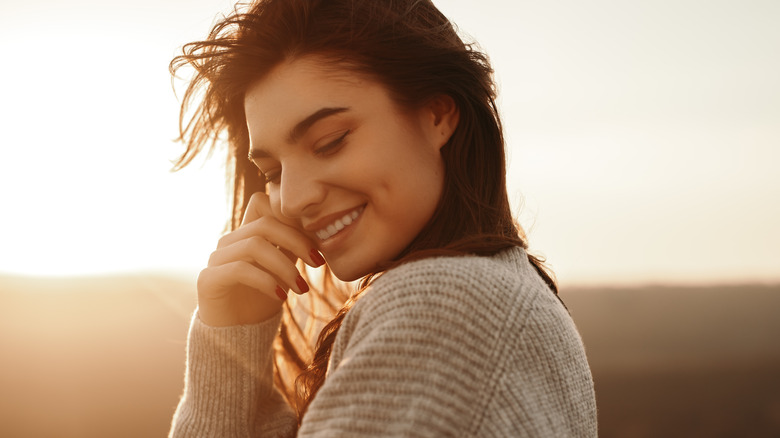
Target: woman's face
(349, 167)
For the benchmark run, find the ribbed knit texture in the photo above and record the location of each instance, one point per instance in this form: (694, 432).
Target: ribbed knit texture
(455, 346)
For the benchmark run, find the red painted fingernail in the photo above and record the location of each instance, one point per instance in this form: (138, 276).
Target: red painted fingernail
(317, 257)
(302, 284)
(280, 293)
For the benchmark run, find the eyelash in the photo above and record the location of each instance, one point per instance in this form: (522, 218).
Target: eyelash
(333, 146)
(268, 179)
(324, 151)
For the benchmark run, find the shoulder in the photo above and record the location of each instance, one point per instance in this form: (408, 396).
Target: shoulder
(462, 294)
(481, 339)
(477, 283)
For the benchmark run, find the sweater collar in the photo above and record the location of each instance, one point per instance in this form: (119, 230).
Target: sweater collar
(514, 256)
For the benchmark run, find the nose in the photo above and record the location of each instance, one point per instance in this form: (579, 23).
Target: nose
(300, 190)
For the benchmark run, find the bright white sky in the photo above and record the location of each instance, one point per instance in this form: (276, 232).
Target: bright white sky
(643, 136)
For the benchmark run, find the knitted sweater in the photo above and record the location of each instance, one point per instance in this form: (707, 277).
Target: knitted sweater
(450, 346)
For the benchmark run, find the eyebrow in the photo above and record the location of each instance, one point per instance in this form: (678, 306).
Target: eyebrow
(300, 129)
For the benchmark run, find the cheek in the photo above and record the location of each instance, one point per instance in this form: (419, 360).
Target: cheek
(412, 197)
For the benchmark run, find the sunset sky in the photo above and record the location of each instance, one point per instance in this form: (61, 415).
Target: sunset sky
(643, 137)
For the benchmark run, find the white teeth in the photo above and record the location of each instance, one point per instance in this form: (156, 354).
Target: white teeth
(338, 225)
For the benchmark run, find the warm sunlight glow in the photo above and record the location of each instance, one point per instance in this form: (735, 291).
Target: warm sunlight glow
(85, 167)
(643, 146)
(647, 157)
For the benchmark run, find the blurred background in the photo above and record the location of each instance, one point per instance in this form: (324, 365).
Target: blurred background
(642, 137)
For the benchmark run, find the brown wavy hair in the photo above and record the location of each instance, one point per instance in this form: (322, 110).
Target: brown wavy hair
(411, 48)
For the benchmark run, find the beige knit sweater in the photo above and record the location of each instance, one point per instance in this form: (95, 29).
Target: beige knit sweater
(452, 346)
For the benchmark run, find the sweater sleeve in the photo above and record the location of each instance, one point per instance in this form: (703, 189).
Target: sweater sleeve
(229, 390)
(455, 348)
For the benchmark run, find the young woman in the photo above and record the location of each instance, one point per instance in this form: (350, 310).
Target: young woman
(364, 139)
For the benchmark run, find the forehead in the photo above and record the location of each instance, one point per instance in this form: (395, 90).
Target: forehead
(301, 84)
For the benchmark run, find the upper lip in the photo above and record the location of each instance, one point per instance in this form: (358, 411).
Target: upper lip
(324, 221)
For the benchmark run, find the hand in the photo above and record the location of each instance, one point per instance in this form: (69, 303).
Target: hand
(239, 285)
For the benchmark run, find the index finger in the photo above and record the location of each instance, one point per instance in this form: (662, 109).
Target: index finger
(259, 205)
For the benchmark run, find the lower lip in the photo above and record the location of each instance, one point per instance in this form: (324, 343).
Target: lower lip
(335, 240)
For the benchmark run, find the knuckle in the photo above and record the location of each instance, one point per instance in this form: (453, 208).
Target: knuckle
(230, 269)
(257, 201)
(263, 221)
(204, 278)
(212, 260)
(254, 197)
(254, 244)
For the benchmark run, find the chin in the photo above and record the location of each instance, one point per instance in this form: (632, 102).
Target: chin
(347, 275)
(348, 271)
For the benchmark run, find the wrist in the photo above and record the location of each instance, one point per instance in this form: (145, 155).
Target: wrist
(218, 315)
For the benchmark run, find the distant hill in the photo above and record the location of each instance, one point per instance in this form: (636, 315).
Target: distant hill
(665, 326)
(683, 361)
(104, 356)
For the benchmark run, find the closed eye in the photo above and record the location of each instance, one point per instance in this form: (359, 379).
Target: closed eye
(332, 146)
(271, 177)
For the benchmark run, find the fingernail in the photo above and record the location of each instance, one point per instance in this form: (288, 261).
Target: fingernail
(280, 293)
(302, 284)
(317, 257)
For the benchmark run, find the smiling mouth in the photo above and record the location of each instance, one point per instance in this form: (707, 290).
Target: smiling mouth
(339, 224)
